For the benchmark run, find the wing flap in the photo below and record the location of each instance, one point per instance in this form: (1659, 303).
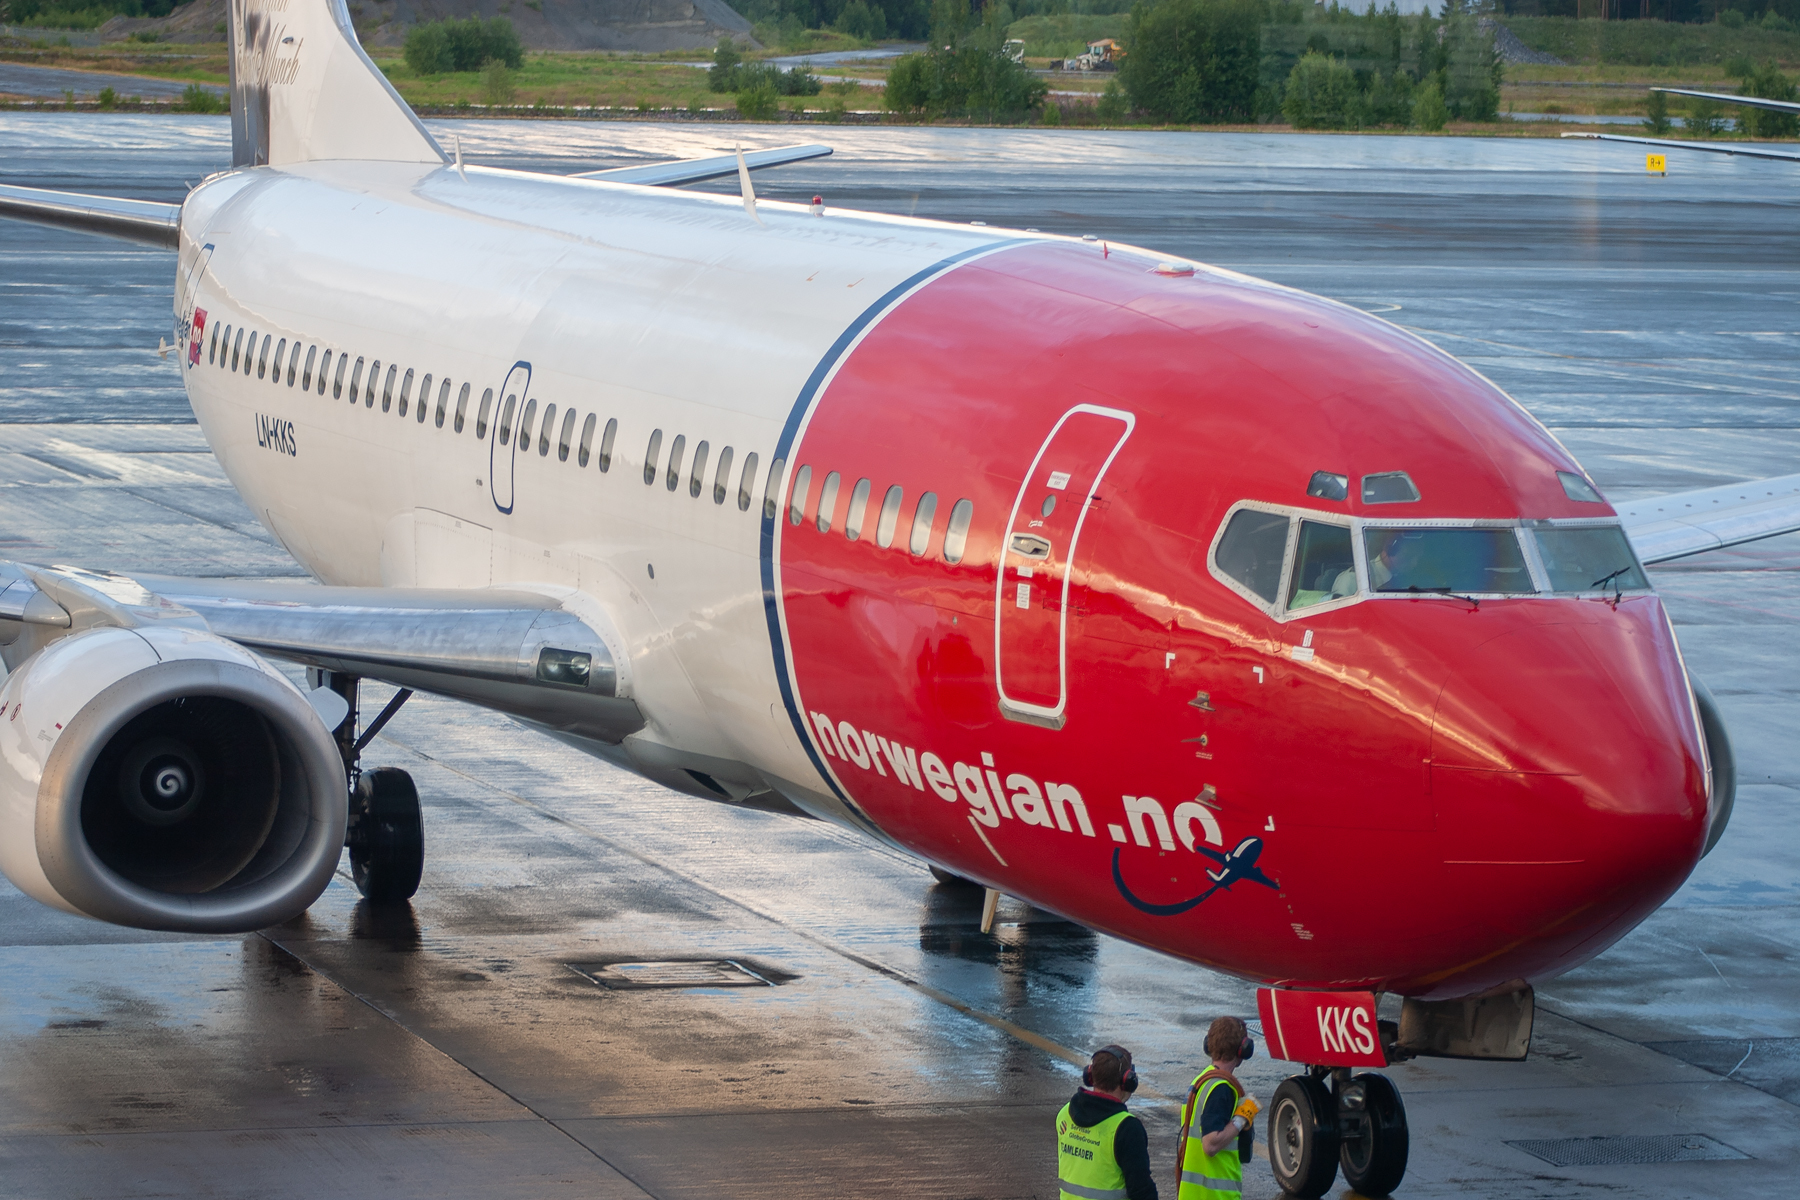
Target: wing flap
(1668, 527)
(143, 221)
(695, 170)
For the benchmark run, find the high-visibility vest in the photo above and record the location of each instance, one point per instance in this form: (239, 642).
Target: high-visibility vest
(1085, 1162)
(1209, 1176)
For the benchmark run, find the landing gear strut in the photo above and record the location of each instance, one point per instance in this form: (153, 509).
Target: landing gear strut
(1357, 1123)
(385, 833)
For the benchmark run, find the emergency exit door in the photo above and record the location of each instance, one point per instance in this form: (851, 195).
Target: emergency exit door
(508, 407)
(1031, 623)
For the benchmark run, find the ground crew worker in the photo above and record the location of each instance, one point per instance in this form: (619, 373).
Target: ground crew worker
(1102, 1152)
(1216, 1133)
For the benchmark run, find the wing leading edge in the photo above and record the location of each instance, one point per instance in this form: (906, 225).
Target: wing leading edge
(1739, 148)
(1668, 527)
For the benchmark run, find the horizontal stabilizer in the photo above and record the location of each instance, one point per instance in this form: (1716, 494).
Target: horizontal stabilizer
(694, 170)
(1666, 527)
(1786, 106)
(1740, 148)
(135, 220)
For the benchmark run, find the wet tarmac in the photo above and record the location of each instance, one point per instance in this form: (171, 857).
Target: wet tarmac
(454, 1050)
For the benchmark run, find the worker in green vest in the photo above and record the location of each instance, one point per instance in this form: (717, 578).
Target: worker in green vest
(1216, 1121)
(1102, 1151)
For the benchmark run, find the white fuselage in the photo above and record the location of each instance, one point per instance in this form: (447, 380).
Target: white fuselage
(617, 297)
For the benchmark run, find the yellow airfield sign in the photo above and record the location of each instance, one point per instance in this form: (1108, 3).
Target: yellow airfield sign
(1656, 164)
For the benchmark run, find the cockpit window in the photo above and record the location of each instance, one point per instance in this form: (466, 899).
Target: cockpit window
(1389, 487)
(1481, 561)
(1577, 488)
(1324, 566)
(1589, 559)
(1252, 549)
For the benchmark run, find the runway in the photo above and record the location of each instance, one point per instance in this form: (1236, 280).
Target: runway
(456, 1050)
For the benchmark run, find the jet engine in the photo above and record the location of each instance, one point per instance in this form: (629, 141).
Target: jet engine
(164, 778)
(1721, 761)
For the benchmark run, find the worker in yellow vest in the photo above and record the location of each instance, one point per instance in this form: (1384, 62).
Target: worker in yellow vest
(1102, 1152)
(1216, 1122)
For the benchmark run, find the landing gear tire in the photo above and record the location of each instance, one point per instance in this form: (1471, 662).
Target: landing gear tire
(1374, 1140)
(386, 836)
(948, 880)
(1303, 1137)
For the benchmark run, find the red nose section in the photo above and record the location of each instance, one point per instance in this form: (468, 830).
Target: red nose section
(1569, 783)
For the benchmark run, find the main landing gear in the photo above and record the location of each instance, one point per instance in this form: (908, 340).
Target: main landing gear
(386, 831)
(1329, 1119)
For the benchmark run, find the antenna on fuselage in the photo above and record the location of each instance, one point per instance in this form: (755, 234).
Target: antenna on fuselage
(744, 183)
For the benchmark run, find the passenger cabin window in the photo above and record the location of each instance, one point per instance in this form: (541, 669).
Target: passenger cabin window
(697, 476)
(1251, 551)
(236, 346)
(506, 418)
(889, 518)
(1594, 558)
(923, 516)
(828, 501)
(212, 347)
(568, 432)
(262, 359)
(337, 381)
(802, 493)
(525, 425)
(1446, 561)
(586, 449)
(443, 405)
(956, 535)
(650, 457)
(481, 417)
(405, 390)
(604, 462)
(280, 353)
(312, 352)
(462, 406)
(387, 390)
(355, 379)
(722, 477)
(1324, 565)
(1389, 487)
(677, 452)
(746, 481)
(859, 509)
(772, 489)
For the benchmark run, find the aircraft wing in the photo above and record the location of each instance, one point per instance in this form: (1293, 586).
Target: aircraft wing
(1668, 527)
(134, 220)
(1787, 106)
(518, 652)
(1740, 148)
(694, 170)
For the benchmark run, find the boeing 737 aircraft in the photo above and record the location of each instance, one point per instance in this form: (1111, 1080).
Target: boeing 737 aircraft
(808, 510)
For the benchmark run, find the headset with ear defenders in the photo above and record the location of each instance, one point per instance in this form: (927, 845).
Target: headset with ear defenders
(1247, 1051)
(1128, 1081)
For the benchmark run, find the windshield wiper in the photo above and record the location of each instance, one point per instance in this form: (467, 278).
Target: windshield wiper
(1606, 579)
(1415, 589)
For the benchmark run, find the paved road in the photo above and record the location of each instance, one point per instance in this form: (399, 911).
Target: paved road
(21, 79)
(1651, 323)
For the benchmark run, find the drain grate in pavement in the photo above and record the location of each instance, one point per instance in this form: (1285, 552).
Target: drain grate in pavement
(1627, 1150)
(703, 973)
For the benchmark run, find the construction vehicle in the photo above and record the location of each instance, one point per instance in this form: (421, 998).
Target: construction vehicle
(1103, 55)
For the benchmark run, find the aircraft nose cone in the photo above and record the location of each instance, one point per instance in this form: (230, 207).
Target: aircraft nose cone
(1569, 780)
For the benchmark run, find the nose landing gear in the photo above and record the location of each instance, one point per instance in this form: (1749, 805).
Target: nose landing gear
(1358, 1124)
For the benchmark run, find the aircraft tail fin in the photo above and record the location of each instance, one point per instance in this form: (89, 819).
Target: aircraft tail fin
(302, 90)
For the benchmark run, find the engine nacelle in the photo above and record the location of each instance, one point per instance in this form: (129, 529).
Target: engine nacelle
(165, 778)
